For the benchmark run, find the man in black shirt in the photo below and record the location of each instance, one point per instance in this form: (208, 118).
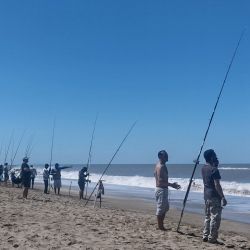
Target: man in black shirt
(213, 196)
(83, 174)
(25, 176)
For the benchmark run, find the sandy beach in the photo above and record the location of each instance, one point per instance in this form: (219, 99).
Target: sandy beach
(62, 222)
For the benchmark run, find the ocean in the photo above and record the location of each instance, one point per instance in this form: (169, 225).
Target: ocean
(137, 180)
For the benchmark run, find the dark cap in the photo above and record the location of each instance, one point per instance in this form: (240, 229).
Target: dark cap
(161, 153)
(25, 158)
(85, 169)
(208, 154)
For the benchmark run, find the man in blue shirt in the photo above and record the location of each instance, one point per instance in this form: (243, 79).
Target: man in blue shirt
(213, 196)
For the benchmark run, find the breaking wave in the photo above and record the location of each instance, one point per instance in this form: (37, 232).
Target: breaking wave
(230, 188)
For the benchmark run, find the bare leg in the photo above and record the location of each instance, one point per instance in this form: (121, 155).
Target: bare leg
(81, 194)
(160, 219)
(25, 193)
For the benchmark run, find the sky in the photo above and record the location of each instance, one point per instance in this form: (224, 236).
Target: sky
(160, 63)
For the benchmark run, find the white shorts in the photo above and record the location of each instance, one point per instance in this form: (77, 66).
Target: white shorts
(161, 195)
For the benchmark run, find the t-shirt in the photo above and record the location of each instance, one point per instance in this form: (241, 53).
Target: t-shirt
(56, 174)
(25, 171)
(209, 174)
(33, 172)
(82, 176)
(45, 174)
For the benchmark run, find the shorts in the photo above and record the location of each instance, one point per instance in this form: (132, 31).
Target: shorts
(26, 183)
(161, 195)
(57, 183)
(81, 185)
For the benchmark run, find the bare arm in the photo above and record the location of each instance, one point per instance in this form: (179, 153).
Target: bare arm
(220, 191)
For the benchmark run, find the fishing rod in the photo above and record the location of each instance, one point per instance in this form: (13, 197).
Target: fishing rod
(29, 146)
(18, 146)
(8, 148)
(1, 149)
(51, 149)
(90, 154)
(105, 170)
(209, 124)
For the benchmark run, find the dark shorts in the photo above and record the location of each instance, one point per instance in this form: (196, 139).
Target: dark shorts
(26, 183)
(81, 185)
(57, 183)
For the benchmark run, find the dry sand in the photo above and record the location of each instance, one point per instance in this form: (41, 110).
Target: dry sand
(62, 222)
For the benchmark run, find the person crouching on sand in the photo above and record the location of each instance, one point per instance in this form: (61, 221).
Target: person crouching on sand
(25, 176)
(162, 184)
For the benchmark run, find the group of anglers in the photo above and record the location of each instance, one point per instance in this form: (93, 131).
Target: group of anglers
(7, 172)
(28, 173)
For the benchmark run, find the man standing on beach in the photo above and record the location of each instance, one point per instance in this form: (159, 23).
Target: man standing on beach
(83, 173)
(6, 173)
(46, 173)
(162, 184)
(33, 175)
(56, 173)
(213, 196)
(25, 176)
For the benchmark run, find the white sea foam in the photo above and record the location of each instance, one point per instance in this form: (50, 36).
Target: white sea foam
(231, 188)
(230, 168)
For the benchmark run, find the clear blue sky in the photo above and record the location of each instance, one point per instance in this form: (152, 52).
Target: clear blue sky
(159, 62)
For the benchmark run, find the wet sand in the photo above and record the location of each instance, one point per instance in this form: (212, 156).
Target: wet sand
(62, 222)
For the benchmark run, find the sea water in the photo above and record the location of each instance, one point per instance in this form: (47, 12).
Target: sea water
(137, 180)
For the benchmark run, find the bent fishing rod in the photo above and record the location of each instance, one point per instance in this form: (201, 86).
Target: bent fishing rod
(90, 153)
(209, 124)
(105, 170)
(18, 146)
(8, 148)
(29, 146)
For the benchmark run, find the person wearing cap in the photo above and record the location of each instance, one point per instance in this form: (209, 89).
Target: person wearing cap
(213, 196)
(162, 184)
(25, 176)
(56, 173)
(83, 173)
(46, 173)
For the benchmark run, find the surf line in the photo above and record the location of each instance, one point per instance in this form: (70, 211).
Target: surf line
(105, 170)
(90, 154)
(209, 124)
